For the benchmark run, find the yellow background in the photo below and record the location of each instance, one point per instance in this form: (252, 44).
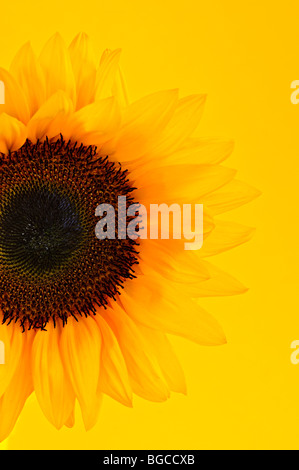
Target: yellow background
(245, 56)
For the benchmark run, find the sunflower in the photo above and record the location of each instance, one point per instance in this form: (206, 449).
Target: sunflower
(82, 317)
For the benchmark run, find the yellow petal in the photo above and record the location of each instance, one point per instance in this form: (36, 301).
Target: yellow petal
(155, 109)
(52, 118)
(181, 183)
(57, 67)
(15, 102)
(144, 372)
(194, 151)
(26, 69)
(142, 120)
(98, 121)
(52, 386)
(13, 133)
(83, 62)
(106, 73)
(182, 267)
(167, 359)
(230, 196)
(81, 352)
(15, 396)
(156, 304)
(219, 283)
(119, 89)
(13, 340)
(182, 125)
(70, 422)
(225, 236)
(201, 151)
(114, 379)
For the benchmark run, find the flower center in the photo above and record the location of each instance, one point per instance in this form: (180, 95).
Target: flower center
(41, 229)
(51, 263)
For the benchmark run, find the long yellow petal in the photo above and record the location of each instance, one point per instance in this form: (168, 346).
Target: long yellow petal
(13, 133)
(201, 151)
(143, 119)
(144, 372)
(13, 340)
(219, 283)
(225, 236)
(81, 353)
(52, 118)
(52, 386)
(157, 304)
(98, 122)
(20, 387)
(15, 101)
(182, 183)
(57, 67)
(106, 73)
(28, 72)
(168, 362)
(114, 379)
(119, 89)
(84, 68)
(182, 267)
(230, 196)
(182, 125)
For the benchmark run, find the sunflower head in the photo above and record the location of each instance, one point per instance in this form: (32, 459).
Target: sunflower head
(81, 316)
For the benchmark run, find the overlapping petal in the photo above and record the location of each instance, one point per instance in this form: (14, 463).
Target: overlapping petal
(84, 69)
(225, 236)
(167, 360)
(27, 71)
(182, 183)
(19, 388)
(57, 68)
(51, 383)
(80, 349)
(13, 133)
(157, 305)
(145, 375)
(114, 378)
(15, 101)
(51, 119)
(106, 73)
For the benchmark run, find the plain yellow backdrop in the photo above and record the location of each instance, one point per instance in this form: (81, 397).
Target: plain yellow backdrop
(245, 56)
